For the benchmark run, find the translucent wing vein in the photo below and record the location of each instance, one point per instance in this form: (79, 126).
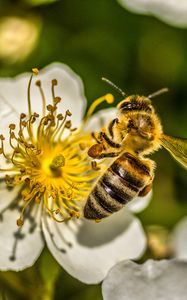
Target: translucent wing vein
(177, 148)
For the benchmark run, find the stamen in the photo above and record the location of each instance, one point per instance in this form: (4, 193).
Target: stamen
(34, 72)
(54, 83)
(52, 171)
(38, 83)
(109, 98)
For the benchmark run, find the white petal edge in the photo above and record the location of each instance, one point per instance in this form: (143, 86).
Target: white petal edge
(100, 119)
(172, 12)
(96, 247)
(155, 280)
(29, 245)
(69, 88)
(179, 239)
(138, 204)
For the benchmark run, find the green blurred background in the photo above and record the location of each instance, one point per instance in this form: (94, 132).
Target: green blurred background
(141, 55)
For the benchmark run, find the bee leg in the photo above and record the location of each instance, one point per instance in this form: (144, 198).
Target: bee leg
(145, 190)
(95, 138)
(110, 154)
(109, 141)
(111, 127)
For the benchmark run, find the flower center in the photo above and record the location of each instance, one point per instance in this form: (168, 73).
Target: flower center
(50, 169)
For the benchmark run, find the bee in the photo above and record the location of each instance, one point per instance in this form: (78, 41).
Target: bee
(135, 133)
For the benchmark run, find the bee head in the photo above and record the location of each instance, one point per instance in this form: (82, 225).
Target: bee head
(135, 103)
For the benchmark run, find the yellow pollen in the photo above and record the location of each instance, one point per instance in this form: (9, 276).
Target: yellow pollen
(35, 71)
(109, 98)
(49, 168)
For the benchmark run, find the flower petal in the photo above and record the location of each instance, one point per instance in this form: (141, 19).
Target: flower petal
(95, 247)
(20, 246)
(179, 239)
(172, 12)
(8, 115)
(7, 195)
(100, 119)
(155, 280)
(139, 203)
(69, 88)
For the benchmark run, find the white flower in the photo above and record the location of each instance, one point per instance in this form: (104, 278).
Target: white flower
(179, 240)
(50, 182)
(173, 12)
(155, 280)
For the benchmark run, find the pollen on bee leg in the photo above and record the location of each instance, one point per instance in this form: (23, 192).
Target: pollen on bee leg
(95, 150)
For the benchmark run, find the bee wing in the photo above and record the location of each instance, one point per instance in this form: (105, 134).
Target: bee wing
(177, 148)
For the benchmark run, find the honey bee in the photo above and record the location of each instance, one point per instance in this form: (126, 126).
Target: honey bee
(135, 133)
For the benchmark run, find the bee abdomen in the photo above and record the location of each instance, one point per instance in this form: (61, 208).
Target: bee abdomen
(118, 185)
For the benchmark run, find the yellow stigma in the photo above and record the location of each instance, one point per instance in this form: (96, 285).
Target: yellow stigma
(49, 168)
(58, 162)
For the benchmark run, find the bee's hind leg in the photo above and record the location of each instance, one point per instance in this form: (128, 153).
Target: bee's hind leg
(145, 190)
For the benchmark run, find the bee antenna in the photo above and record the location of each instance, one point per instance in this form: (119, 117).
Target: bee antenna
(114, 86)
(159, 92)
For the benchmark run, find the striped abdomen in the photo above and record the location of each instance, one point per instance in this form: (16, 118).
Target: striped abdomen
(122, 181)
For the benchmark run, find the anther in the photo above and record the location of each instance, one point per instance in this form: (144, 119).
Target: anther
(73, 129)
(60, 117)
(50, 107)
(22, 116)
(68, 124)
(35, 71)
(12, 126)
(38, 82)
(109, 98)
(54, 82)
(2, 137)
(20, 222)
(68, 113)
(57, 100)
